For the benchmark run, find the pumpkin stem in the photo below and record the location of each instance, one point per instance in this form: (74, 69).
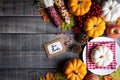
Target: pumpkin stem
(95, 26)
(80, 2)
(101, 56)
(110, 7)
(75, 72)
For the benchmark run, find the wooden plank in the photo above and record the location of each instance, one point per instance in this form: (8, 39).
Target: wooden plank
(27, 51)
(25, 42)
(33, 59)
(23, 74)
(26, 25)
(18, 8)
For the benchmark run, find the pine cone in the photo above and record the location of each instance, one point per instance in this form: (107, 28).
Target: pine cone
(77, 49)
(83, 39)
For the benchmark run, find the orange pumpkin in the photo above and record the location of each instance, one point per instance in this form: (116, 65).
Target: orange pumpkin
(94, 26)
(79, 7)
(75, 69)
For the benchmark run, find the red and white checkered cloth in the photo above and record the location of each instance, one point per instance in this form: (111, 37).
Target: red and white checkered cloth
(91, 45)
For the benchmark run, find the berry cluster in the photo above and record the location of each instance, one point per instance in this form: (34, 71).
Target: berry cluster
(95, 10)
(77, 30)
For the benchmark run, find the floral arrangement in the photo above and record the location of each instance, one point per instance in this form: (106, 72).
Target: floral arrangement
(75, 15)
(88, 19)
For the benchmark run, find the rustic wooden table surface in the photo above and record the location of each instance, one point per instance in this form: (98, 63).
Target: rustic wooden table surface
(22, 35)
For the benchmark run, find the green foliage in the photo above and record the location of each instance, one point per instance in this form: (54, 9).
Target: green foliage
(101, 77)
(116, 74)
(60, 76)
(66, 26)
(113, 76)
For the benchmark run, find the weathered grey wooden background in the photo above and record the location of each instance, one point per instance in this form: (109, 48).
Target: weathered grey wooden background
(22, 35)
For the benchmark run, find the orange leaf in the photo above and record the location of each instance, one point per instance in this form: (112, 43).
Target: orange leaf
(118, 21)
(44, 15)
(108, 77)
(42, 11)
(49, 76)
(45, 18)
(42, 78)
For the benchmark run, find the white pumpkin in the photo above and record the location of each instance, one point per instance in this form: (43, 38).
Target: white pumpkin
(110, 10)
(102, 56)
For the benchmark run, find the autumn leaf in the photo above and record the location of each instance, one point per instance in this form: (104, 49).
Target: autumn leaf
(66, 26)
(101, 77)
(42, 11)
(108, 77)
(118, 21)
(45, 16)
(112, 76)
(49, 76)
(116, 74)
(41, 78)
(59, 76)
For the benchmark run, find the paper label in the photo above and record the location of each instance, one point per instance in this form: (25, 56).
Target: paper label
(55, 47)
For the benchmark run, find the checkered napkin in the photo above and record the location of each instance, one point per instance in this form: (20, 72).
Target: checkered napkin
(91, 45)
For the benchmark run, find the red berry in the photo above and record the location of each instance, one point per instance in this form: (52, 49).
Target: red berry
(95, 10)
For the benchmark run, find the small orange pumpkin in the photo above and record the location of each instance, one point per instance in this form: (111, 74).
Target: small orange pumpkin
(75, 69)
(79, 7)
(94, 26)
